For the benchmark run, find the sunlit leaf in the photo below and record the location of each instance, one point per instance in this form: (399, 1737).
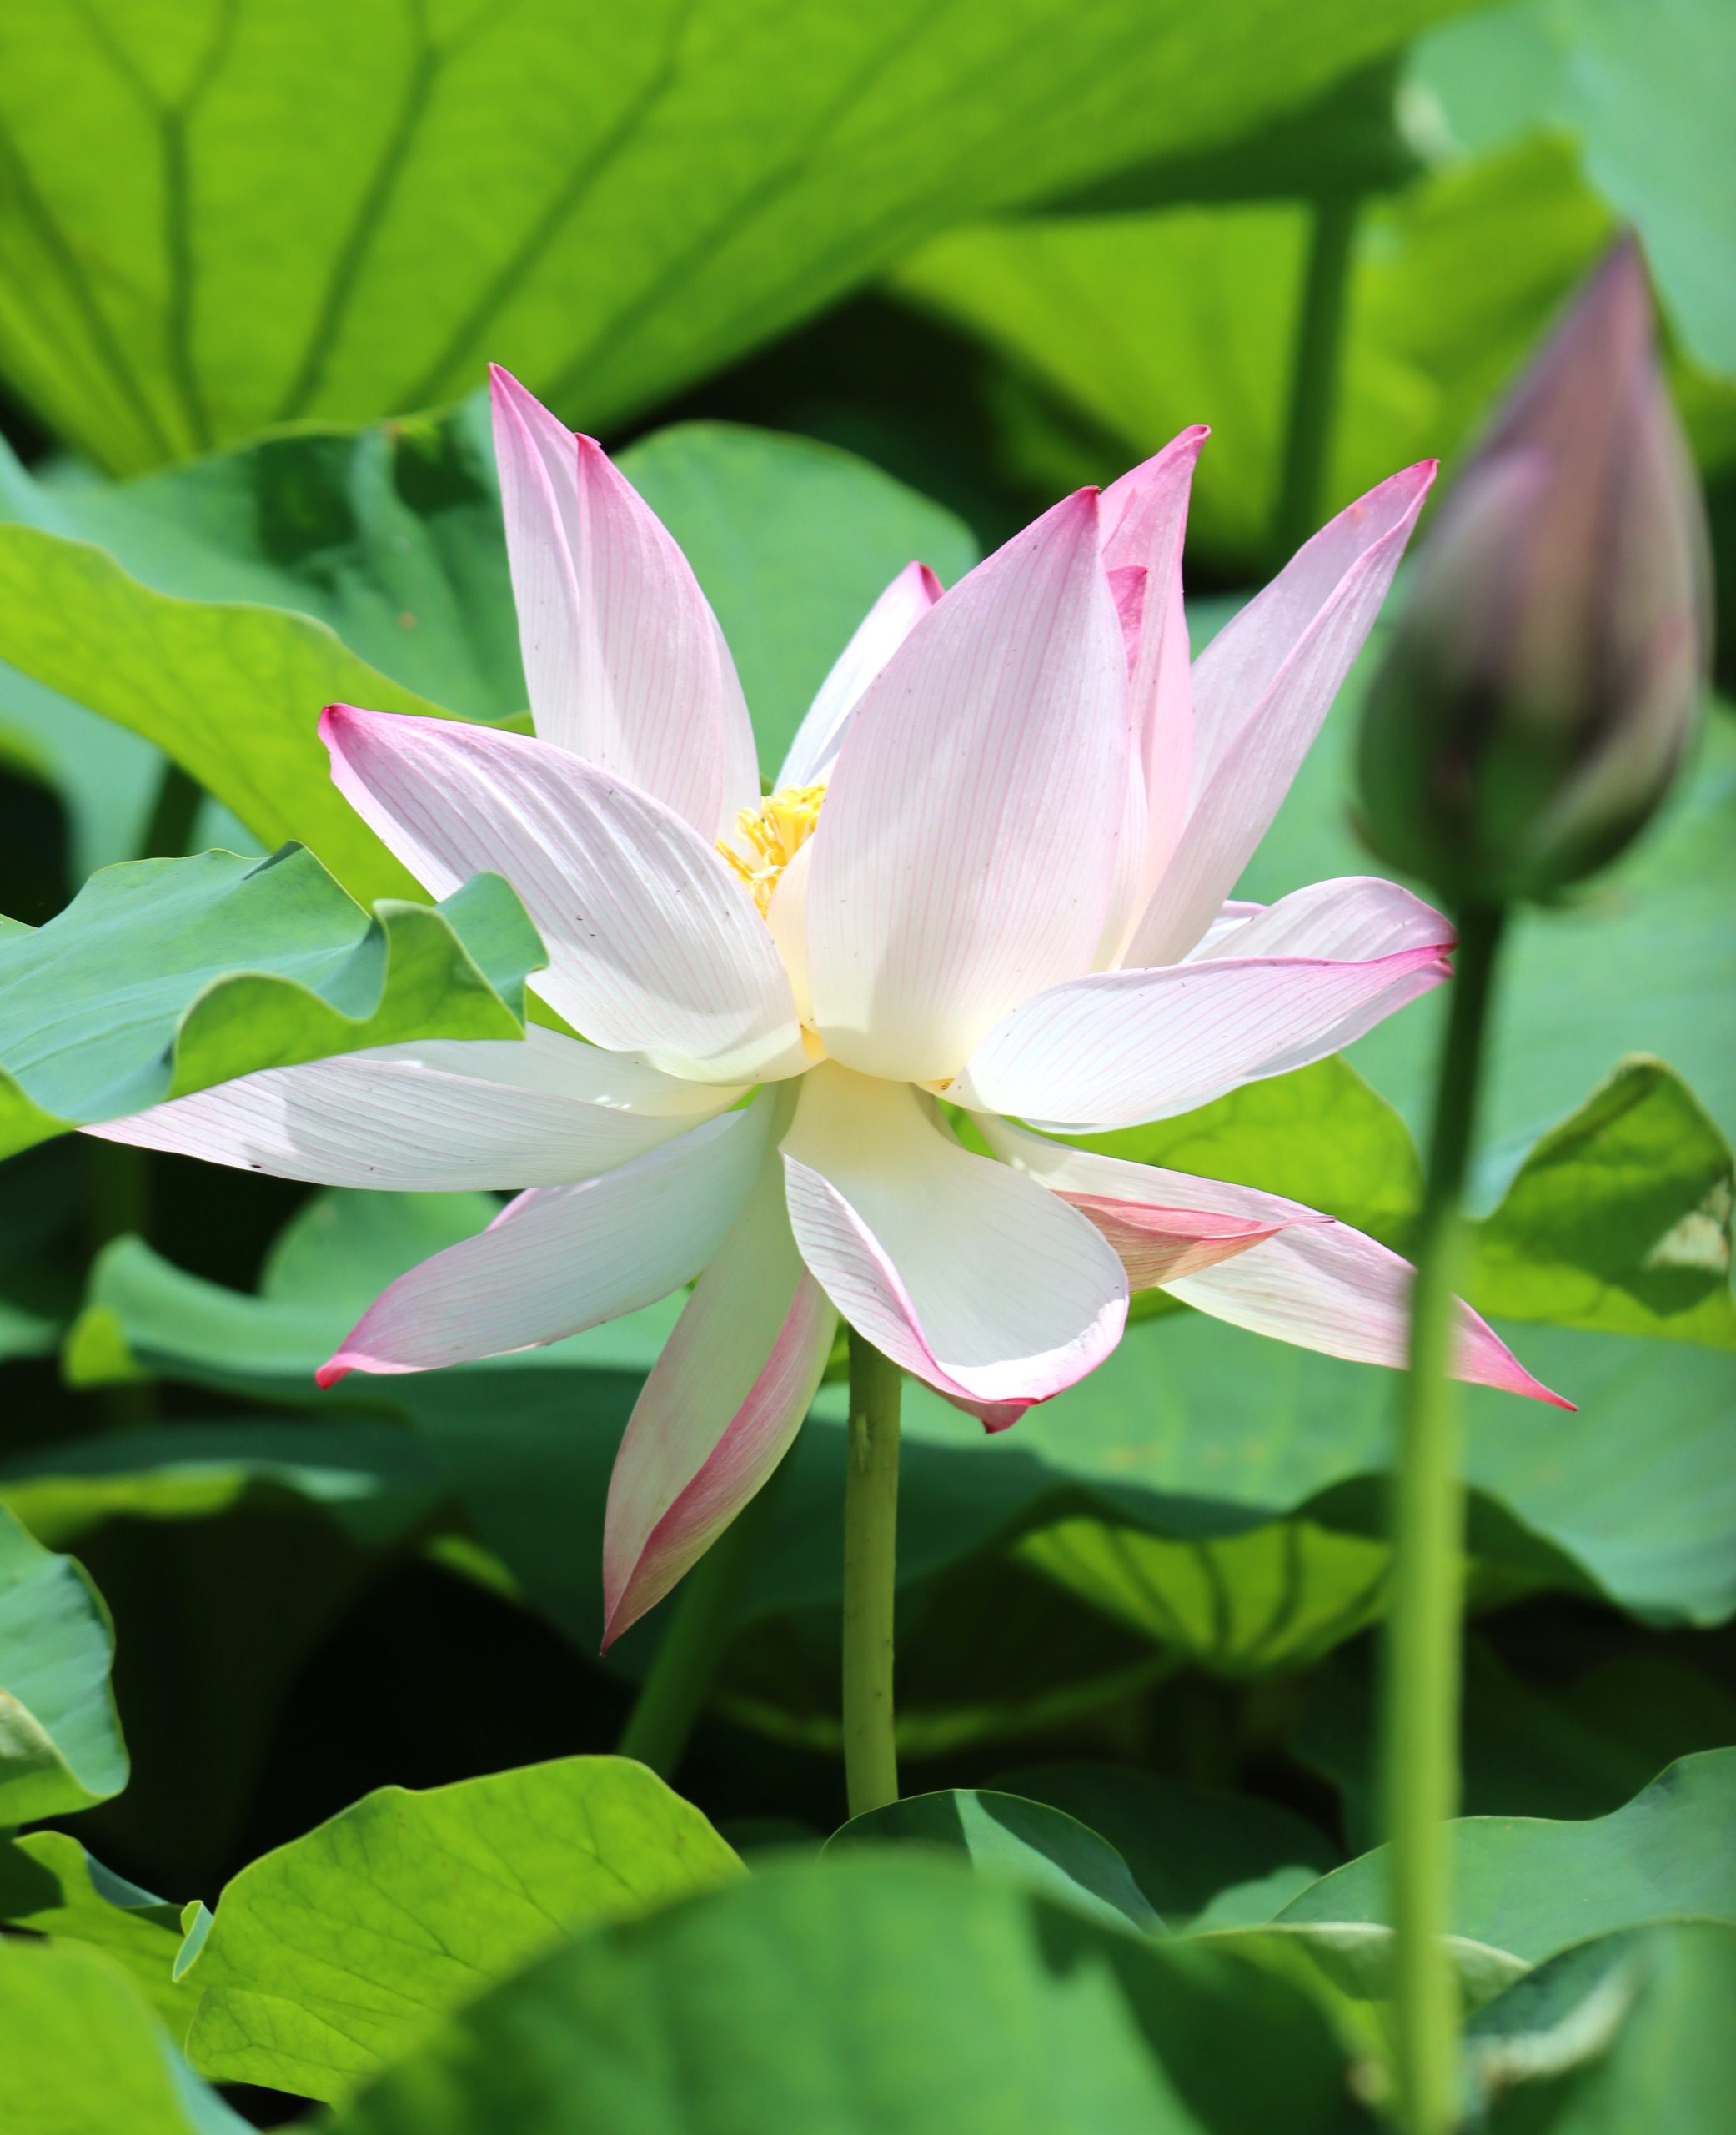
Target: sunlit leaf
(60, 1736)
(208, 228)
(338, 1953)
(84, 2051)
(50, 1886)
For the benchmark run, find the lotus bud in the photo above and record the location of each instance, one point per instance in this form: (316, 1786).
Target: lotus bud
(1540, 693)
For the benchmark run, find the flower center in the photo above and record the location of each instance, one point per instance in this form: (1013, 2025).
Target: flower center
(774, 832)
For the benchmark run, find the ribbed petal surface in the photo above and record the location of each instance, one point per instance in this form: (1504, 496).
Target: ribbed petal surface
(719, 1411)
(561, 1258)
(967, 849)
(968, 1274)
(434, 1118)
(653, 946)
(623, 659)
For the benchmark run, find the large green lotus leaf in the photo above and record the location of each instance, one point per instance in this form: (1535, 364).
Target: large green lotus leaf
(232, 691)
(1628, 2032)
(376, 1481)
(60, 1736)
(86, 2055)
(1647, 91)
(1534, 1887)
(1619, 1218)
(1143, 324)
(1203, 1855)
(1348, 1969)
(391, 537)
(338, 1953)
(217, 233)
(1580, 1749)
(865, 1992)
(1021, 1840)
(1643, 961)
(166, 975)
(51, 1885)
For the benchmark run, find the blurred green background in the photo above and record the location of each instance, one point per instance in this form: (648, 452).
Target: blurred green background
(841, 286)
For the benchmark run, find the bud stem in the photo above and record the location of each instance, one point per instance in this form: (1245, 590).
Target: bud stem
(870, 1513)
(1420, 1720)
(1314, 374)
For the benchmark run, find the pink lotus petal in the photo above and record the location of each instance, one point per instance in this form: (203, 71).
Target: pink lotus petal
(624, 661)
(435, 1117)
(1125, 1047)
(968, 845)
(1313, 1282)
(885, 626)
(1351, 918)
(1260, 690)
(970, 1276)
(1145, 520)
(561, 1258)
(720, 1408)
(653, 946)
(1156, 1243)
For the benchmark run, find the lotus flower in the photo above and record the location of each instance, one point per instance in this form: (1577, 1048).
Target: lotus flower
(992, 876)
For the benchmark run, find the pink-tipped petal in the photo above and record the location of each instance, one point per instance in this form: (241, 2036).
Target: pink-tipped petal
(879, 635)
(1260, 690)
(561, 1258)
(1156, 1243)
(1350, 917)
(719, 1411)
(966, 1275)
(1145, 522)
(435, 1117)
(1126, 1046)
(967, 849)
(1312, 1281)
(653, 946)
(624, 661)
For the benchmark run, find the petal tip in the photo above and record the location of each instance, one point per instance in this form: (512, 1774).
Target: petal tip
(335, 1368)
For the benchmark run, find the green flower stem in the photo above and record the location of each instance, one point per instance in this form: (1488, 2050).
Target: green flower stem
(1315, 373)
(870, 1516)
(1420, 1727)
(706, 1613)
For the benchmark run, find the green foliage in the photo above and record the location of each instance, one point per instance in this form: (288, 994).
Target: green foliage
(1535, 1887)
(610, 208)
(870, 1993)
(245, 964)
(1619, 1218)
(51, 1885)
(1205, 1857)
(60, 1736)
(1629, 2030)
(1139, 323)
(84, 2055)
(1647, 91)
(1022, 1841)
(376, 1481)
(338, 1952)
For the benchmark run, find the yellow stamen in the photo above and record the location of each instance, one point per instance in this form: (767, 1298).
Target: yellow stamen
(774, 832)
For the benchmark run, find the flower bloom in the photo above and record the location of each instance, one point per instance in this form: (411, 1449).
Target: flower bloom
(992, 875)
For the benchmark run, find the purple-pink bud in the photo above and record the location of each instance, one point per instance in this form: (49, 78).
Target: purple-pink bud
(1541, 689)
